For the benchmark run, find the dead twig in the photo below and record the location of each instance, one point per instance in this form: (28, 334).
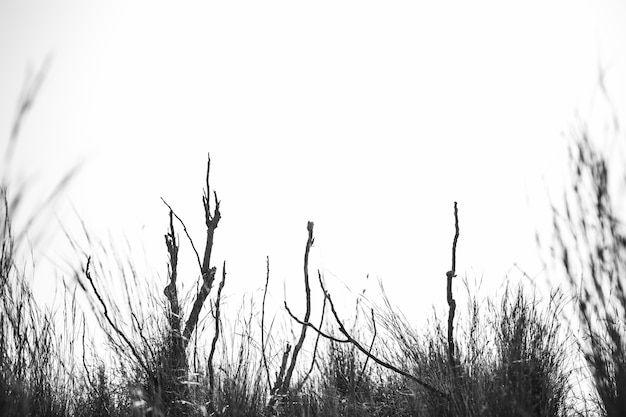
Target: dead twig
(314, 360)
(307, 314)
(367, 358)
(216, 318)
(451, 302)
(276, 392)
(193, 246)
(355, 343)
(267, 281)
(113, 326)
(170, 290)
(208, 273)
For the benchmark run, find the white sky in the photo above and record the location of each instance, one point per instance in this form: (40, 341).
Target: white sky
(368, 118)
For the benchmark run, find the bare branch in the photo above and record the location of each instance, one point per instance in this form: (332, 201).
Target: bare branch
(217, 326)
(307, 314)
(110, 321)
(317, 339)
(312, 326)
(276, 389)
(366, 352)
(170, 290)
(451, 302)
(208, 273)
(139, 327)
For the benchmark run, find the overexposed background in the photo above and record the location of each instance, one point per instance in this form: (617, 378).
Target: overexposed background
(368, 118)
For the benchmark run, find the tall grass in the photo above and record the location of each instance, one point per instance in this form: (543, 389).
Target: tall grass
(512, 358)
(31, 374)
(37, 356)
(158, 352)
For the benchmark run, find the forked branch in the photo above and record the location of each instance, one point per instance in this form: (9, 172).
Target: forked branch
(208, 272)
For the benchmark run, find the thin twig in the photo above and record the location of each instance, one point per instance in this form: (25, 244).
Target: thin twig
(382, 363)
(143, 337)
(170, 290)
(366, 352)
(217, 326)
(110, 321)
(314, 327)
(370, 351)
(172, 212)
(317, 339)
(267, 281)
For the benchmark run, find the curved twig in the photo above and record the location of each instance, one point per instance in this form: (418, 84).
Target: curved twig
(307, 314)
(313, 361)
(358, 382)
(110, 321)
(355, 343)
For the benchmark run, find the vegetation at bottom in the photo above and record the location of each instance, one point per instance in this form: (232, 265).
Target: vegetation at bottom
(162, 351)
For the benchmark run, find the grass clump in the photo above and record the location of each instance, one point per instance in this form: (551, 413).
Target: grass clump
(512, 359)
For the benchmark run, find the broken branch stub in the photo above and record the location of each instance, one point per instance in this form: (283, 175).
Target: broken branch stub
(170, 290)
(451, 302)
